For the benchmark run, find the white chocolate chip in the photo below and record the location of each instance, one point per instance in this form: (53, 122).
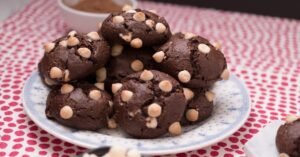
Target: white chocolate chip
(188, 93)
(49, 81)
(165, 86)
(184, 76)
(116, 87)
(72, 41)
(283, 155)
(152, 11)
(49, 47)
(139, 16)
(126, 37)
(136, 43)
(133, 113)
(146, 75)
(66, 112)
(154, 110)
(137, 65)
(160, 28)
(99, 85)
(118, 19)
(131, 11)
(126, 7)
(175, 129)
(192, 115)
(99, 25)
(150, 23)
(225, 74)
(291, 118)
(117, 50)
(111, 104)
(66, 88)
(72, 33)
(209, 96)
(204, 48)
(151, 122)
(111, 123)
(56, 73)
(189, 35)
(101, 74)
(63, 43)
(126, 95)
(159, 56)
(95, 94)
(117, 151)
(217, 45)
(67, 75)
(133, 153)
(93, 35)
(84, 52)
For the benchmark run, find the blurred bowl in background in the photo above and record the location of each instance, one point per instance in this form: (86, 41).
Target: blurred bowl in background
(83, 21)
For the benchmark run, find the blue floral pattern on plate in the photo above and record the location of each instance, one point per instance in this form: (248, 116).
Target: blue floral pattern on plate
(231, 109)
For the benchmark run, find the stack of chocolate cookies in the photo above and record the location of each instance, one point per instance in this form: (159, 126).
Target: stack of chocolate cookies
(133, 73)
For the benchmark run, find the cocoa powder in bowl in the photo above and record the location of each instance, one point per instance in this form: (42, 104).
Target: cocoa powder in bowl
(97, 6)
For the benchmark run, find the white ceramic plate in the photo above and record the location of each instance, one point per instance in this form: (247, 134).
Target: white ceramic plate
(231, 109)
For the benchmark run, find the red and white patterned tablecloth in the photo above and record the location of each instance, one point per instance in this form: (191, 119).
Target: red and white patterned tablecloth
(262, 51)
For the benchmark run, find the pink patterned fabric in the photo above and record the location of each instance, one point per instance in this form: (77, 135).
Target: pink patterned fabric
(262, 51)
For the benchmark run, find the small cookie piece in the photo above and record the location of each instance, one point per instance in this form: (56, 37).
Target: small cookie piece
(79, 105)
(73, 57)
(129, 61)
(199, 106)
(144, 110)
(137, 28)
(101, 74)
(192, 60)
(288, 137)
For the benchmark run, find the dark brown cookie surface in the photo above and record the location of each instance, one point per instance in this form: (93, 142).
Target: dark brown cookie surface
(192, 60)
(73, 57)
(137, 28)
(127, 62)
(199, 107)
(288, 138)
(81, 106)
(149, 104)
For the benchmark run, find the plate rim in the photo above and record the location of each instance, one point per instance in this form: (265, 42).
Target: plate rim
(196, 146)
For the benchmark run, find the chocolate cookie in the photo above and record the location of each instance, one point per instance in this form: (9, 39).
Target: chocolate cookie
(81, 106)
(200, 105)
(137, 28)
(288, 137)
(192, 60)
(127, 61)
(73, 57)
(149, 104)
